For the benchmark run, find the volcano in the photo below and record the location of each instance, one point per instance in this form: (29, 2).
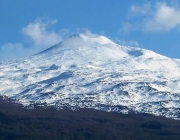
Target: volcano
(95, 72)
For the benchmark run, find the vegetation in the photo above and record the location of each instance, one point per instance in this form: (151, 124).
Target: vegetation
(17, 123)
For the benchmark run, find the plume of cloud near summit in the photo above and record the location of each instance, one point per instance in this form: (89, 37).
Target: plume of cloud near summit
(39, 37)
(38, 34)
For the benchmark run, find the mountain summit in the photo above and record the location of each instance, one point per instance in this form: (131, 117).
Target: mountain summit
(95, 72)
(95, 48)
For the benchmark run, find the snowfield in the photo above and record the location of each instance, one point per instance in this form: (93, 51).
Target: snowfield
(86, 72)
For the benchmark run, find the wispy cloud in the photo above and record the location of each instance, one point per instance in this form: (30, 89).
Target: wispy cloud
(38, 37)
(38, 33)
(162, 16)
(130, 43)
(136, 10)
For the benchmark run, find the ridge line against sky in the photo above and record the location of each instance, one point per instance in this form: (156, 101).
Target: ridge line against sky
(28, 27)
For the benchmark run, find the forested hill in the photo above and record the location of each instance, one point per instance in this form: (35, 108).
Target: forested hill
(18, 123)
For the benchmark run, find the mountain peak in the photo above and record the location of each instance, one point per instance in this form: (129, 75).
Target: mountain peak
(92, 38)
(80, 46)
(83, 44)
(87, 48)
(76, 35)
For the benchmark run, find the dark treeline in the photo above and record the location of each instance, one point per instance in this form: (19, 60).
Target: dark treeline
(17, 123)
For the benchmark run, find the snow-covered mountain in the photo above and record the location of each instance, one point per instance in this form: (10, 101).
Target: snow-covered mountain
(95, 72)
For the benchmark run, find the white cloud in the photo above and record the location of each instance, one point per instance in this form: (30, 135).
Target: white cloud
(160, 17)
(165, 18)
(38, 33)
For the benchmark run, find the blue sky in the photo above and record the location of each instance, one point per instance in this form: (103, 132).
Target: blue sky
(28, 27)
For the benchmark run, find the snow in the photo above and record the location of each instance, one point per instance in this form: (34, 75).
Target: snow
(95, 72)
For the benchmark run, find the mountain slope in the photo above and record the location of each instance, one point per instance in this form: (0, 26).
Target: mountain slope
(84, 72)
